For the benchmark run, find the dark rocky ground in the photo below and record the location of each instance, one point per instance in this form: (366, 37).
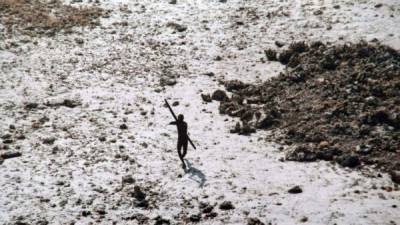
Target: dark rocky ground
(337, 103)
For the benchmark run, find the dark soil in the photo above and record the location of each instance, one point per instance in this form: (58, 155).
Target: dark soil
(338, 103)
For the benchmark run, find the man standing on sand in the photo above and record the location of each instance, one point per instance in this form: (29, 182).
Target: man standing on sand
(182, 138)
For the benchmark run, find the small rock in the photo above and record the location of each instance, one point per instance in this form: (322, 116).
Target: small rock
(318, 12)
(395, 175)
(6, 136)
(323, 144)
(302, 154)
(140, 218)
(161, 221)
(60, 183)
(209, 74)
(207, 209)
(246, 129)
(194, 218)
(350, 161)
(304, 219)
(42, 222)
(31, 105)
(363, 149)
(167, 81)
(279, 44)
(211, 215)
(79, 41)
(235, 85)
(142, 203)
(44, 119)
(173, 2)
(284, 57)
(20, 221)
(295, 190)
(70, 103)
(254, 221)
(176, 103)
(102, 138)
(218, 58)
(49, 140)
(124, 157)
(8, 141)
(226, 205)
(327, 154)
(219, 95)
(123, 127)
(206, 97)
(266, 121)
(236, 129)
(85, 213)
(271, 54)
(177, 27)
(138, 193)
(328, 63)
(371, 100)
(9, 155)
(100, 209)
(144, 144)
(239, 23)
(378, 5)
(20, 136)
(128, 179)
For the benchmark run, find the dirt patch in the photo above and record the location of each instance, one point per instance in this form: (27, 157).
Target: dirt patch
(39, 17)
(337, 103)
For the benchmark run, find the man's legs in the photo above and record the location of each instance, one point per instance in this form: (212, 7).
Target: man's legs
(180, 145)
(185, 146)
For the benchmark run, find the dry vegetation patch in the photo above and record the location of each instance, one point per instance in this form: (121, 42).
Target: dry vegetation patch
(40, 17)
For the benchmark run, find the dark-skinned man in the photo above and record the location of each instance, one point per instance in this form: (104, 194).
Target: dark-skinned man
(182, 138)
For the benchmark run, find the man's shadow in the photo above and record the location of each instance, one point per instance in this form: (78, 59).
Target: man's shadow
(195, 174)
